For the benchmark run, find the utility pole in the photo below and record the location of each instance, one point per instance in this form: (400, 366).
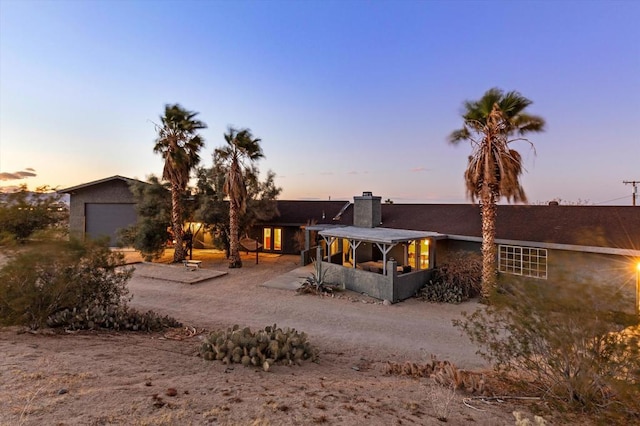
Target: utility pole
(634, 183)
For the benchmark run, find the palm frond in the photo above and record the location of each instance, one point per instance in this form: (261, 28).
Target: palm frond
(491, 124)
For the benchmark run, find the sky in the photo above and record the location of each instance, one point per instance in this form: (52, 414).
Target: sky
(346, 96)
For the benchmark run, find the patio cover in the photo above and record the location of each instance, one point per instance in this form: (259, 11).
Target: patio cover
(384, 238)
(378, 235)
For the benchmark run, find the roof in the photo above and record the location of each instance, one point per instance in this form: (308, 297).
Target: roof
(98, 182)
(378, 235)
(596, 226)
(302, 212)
(616, 227)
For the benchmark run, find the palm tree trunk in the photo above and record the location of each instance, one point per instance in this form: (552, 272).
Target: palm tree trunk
(176, 219)
(234, 257)
(489, 261)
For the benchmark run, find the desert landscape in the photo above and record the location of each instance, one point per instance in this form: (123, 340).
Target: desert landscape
(104, 377)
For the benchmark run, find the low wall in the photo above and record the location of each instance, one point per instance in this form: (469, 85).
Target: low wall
(407, 285)
(391, 287)
(375, 285)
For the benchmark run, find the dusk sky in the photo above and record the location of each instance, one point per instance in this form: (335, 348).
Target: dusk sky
(347, 96)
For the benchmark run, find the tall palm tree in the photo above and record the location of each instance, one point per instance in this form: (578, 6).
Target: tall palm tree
(178, 142)
(241, 151)
(491, 124)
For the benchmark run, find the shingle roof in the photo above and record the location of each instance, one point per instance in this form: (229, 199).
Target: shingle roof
(598, 226)
(302, 212)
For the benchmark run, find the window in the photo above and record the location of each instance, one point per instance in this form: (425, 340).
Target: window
(525, 261)
(423, 254)
(277, 239)
(272, 239)
(266, 239)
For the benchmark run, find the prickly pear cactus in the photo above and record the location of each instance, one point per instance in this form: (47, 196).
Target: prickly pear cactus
(110, 317)
(260, 349)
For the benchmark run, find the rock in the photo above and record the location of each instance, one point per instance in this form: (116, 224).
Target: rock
(171, 392)
(385, 302)
(63, 391)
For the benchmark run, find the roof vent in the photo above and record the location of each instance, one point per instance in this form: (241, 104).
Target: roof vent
(554, 203)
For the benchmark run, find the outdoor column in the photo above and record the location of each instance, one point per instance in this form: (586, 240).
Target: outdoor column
(353, 244)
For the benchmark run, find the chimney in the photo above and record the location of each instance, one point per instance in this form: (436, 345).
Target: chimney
(367, 210)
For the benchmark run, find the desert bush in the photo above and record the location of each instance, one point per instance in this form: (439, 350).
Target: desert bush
(572, 343)
(262, 348)
(46, 278)
(456, 280)
(443, 373)
(441, 397)
(25, 214)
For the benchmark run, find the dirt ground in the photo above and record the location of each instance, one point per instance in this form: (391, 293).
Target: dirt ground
(108, 378)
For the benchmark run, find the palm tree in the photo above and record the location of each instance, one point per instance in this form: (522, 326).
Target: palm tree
(178, 142)
(491, 124)
(241, 151)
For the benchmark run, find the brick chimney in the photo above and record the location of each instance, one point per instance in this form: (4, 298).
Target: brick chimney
(367, 210)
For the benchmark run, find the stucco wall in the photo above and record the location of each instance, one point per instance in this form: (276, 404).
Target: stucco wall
(617, 273)
(391, 287)
(587, 269)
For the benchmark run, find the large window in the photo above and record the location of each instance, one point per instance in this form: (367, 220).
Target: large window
(525, 261)
(422, 255)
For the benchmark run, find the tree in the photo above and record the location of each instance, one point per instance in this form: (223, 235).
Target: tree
(241, 151)
(179, 143)
(150, 233)
(491, 124)
(213, 209)
(25, 213)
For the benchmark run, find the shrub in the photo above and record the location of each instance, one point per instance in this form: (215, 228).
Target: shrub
(47, 278)
(456, 280)
(25, 214)
(572, 341)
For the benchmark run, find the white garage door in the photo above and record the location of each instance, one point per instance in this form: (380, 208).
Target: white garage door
(105, 219)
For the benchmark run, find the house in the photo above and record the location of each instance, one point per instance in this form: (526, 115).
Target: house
(537, 242)
(100, 208)
(398, 245)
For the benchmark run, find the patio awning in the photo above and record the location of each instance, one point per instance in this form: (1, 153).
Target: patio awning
(378, 235)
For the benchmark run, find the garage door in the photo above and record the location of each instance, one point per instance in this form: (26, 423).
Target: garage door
(105, 219)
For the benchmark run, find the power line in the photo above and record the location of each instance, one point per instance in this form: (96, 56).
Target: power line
(634, 184)
(608, 201)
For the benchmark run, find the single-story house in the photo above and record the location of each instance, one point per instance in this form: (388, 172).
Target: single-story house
(100, 208)
(539, 242)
